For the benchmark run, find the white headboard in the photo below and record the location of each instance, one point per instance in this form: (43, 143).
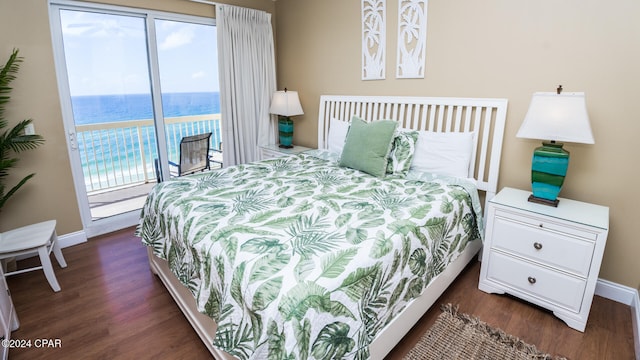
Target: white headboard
(485, 117)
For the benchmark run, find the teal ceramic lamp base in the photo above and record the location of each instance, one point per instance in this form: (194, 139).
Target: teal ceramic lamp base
(548, 170)
(285, 132)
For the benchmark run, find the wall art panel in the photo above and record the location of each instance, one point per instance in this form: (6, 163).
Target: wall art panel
(412, 38)
(373, 39)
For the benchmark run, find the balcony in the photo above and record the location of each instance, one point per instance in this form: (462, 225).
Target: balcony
(117, 158)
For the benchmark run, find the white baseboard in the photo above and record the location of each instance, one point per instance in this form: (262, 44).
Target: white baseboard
(635, 306)
(71, 239)
(636, 325)
(625, 295)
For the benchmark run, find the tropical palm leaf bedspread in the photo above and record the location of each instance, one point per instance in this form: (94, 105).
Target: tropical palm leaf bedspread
(298, 258)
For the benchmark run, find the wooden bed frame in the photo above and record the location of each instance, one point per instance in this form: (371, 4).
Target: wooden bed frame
(485, 117)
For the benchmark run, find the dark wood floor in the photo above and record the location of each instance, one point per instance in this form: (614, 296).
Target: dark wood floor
(112, 307)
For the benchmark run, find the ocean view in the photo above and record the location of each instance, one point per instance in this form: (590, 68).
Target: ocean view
(109, 108)
(115, 156)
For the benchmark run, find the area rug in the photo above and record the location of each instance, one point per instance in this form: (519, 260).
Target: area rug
(460, 336)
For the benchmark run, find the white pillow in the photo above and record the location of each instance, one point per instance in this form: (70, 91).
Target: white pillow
(337, 135)
(444, 153)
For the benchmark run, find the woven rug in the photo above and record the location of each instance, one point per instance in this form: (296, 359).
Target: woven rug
(463, 337)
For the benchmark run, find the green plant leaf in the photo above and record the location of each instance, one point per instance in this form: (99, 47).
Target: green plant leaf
(14, 139)
(303, 268)
(357, 283)
(302, 332)
(381, 246)
(333, 342)
(236, 284)
(414, 289)
(356, 235)
(334, 264)
(267, 266)
(266, 293)
(262, 245)
(343, 219)
(302, 297)
(418, 262)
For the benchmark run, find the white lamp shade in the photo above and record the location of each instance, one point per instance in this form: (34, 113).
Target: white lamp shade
(285, 103)
(559, 117)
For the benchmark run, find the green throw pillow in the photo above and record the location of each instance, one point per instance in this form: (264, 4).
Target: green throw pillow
(402, 150)
(368, 145)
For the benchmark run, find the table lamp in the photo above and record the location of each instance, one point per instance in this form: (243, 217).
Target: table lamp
(554, 117)
(285, 104)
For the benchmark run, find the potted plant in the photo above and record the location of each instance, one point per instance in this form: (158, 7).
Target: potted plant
(12, 140)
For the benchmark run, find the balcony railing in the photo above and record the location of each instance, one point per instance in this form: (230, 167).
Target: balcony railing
(122, 153)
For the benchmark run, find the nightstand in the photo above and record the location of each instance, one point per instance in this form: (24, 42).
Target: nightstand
(545, 255)
(274, 150)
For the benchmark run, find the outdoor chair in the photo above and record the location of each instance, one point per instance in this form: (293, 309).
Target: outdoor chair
(194, 155)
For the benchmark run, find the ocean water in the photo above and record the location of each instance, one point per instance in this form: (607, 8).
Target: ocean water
(110, 108)
(124, 155)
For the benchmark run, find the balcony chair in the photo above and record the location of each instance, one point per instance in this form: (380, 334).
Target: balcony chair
(41, 239)
(194, 155)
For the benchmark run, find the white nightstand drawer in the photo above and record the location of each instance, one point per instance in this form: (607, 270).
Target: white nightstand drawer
(550, 247)
(268, 154)
(275, 151)
(549, 225)
(539, 282)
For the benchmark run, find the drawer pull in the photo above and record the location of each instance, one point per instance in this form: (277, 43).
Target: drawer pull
(541, 225)
(537, 245)
(531, 279)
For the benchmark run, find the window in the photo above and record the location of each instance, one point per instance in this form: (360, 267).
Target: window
(132, 84)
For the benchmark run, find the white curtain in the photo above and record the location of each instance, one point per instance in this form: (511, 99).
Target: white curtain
(246, 63)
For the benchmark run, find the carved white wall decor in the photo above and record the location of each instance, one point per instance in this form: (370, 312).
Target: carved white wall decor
(412, 38)
(374, 18)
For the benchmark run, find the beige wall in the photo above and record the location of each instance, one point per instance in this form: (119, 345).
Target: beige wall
(506, 49)
(51, 194)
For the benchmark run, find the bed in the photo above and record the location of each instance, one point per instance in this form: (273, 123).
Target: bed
(325, 254)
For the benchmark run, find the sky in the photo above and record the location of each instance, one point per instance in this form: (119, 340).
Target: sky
(107, 54)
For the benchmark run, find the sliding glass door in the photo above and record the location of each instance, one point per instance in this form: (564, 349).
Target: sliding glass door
(188, 73)
(107, 67)
(132, 83)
